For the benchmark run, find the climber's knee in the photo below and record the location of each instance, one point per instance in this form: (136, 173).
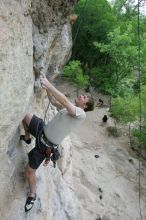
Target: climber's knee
(27, 119)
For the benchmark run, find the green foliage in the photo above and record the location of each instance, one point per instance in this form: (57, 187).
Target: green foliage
(120, 53)
(74, 73)
(143, 105)
(125, 9)
(125, 109)
(103, 81)
(113, 131)
(141, 136)
(95, 20)
(126, 87)
(107, 46)
(128, 109)
(143, 58)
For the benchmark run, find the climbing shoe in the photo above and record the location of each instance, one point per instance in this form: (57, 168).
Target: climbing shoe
(29, 203)
(22, 137)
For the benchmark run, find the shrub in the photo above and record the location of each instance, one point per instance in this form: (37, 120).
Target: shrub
(113, 131)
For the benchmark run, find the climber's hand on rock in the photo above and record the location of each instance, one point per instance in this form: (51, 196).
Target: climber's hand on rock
(44, 82)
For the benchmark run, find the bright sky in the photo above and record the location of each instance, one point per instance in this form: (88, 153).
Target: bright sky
(142, 10)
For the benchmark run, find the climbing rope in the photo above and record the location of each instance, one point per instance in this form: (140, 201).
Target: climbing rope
(47, 108)
(140, 104)
(80, 21)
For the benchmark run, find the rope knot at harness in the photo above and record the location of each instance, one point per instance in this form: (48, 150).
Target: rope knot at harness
(55, 155)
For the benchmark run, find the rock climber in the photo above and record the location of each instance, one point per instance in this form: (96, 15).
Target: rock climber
(49, 136)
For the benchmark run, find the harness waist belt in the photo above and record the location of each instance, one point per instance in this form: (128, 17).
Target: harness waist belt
(45, 141)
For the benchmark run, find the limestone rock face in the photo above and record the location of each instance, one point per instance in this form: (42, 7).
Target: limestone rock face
(35, 36)
(48, 49)
(16, 90)
(16, 72)
(51, 34)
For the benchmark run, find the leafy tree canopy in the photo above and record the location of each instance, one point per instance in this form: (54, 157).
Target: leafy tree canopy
(95, 20)
(125, 109)
(119, 57)
(74, 73)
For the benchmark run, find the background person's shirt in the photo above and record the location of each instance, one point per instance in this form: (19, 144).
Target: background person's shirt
(62, 124)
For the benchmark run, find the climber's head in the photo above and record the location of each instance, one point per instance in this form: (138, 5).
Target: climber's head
(85, 102)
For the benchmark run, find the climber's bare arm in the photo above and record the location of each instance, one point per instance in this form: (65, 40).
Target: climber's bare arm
(54, 101)
(61, 98)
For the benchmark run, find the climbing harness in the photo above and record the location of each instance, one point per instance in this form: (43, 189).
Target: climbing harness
(51, 151)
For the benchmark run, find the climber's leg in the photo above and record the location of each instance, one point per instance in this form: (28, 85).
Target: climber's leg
(26, 122)
(36, 157)
(31, 177)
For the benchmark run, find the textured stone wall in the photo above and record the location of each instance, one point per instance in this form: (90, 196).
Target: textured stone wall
(51, 34)
(35, 36)
(16, 67)
(16, 89)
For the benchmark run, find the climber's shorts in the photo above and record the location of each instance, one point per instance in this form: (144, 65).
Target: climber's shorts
(36, 126)
(37, 154)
